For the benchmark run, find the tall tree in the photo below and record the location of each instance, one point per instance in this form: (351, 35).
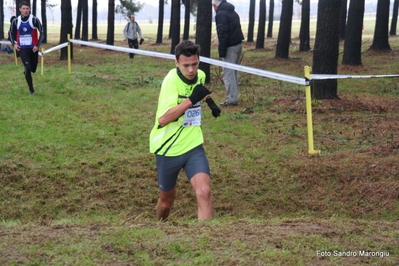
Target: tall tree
(175, 25)
(343, 14)
(186, 30)
(284, 33)
(128, 7)
(1, 20)
(17, 12)
(203, 33)
(78, 19)
(380, 39)
(171, 21)
(251, 21)
(85, 20)
(394, 21)
(304, 31)
(111, 22)
(260, 39)
(44, 19)
(34, 7)
(94, 33)
(160, 21)
(66, 27)
(353, 41)
(271, 19)
(326, 49)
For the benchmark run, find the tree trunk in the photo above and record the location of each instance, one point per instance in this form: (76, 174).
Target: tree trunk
(1, 20)
(304, 34)
(284, 33)
(94, 34)
(325, 55)
(85, 21)
(34, 7)
(394, 21)
(353, 42)
(204, 33)
(171, 18)
(260, 39)
(17, 12)
(111, 22)
(175, 25)
(160, 21)
(66, 27)
(186, 30)
(380, 40)
(251, 22)
(78, 19)
(44, 20)
(343, 14)
(271, 19)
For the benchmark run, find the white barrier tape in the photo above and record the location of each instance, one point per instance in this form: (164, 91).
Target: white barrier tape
(325, 76)
(5, 42)
(260, 72)
(58, 47)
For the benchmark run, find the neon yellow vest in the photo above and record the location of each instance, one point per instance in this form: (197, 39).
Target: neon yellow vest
(174, 139)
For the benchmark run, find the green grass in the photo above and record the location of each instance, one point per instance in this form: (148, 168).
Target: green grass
(78, 184)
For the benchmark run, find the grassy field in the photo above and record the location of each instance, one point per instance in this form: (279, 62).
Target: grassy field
(78, 184)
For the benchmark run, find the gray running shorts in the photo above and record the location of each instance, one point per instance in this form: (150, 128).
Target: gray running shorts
(168, 168)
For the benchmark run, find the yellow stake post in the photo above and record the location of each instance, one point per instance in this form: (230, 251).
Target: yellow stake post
(15, 57)
(312, 151)
(42, 62)
(69, 55)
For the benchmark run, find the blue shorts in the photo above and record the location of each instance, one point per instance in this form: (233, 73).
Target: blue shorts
(168, 168)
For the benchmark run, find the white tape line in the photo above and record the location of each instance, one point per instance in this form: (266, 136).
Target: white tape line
(5, 42)
(325, 76)
(255, 71)
(58, 47)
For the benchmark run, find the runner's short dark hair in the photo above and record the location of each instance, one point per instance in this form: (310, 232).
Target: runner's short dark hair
(186, 48)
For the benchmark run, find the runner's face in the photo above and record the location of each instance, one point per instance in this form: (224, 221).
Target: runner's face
(188, 66)
(25, 10)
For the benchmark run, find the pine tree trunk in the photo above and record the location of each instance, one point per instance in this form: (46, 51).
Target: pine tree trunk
(284, 33)
(251, 21)
(175, 25)
(66, 27)
(271, 19)
(186, 30)
(326, 49)
(353, 42)
(380, 39)
(394, 21)
(94, 33)
(160, 21)
(304, 34)
(260, 39)
(111, 22)
(204, 33)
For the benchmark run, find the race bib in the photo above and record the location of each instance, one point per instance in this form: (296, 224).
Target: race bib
(25, 40)
(192, 117)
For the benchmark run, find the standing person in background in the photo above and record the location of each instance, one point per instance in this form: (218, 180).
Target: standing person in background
(130, 32)
(24, 37)
(176, 138)
(9, 30)
(230, 37)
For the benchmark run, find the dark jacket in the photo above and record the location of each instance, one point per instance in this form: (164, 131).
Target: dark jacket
(228, 27)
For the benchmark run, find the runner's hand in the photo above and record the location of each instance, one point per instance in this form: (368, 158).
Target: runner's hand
(212, 105)
(198, 94)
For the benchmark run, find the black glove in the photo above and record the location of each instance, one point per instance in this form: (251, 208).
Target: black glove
(198, 94)
(215, 109)
(141, 41)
